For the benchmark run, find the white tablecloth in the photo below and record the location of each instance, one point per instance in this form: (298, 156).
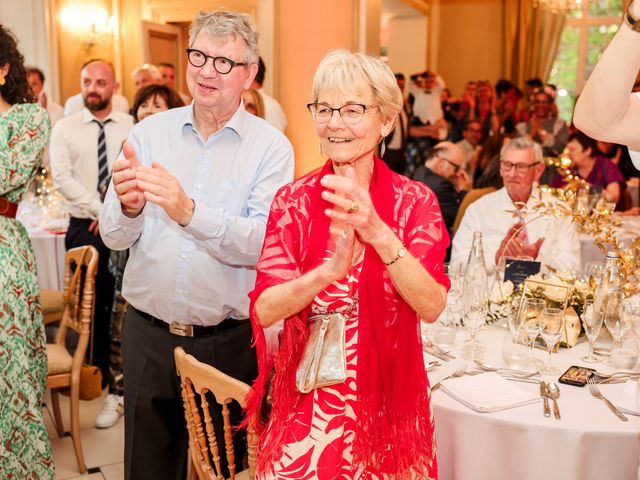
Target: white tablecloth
(50, 255)
(588, 443)
(47, 232)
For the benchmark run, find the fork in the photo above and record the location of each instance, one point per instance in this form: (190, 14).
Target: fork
(595, 391)
(458, 373)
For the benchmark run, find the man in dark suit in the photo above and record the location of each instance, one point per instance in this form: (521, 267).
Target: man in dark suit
(443, 174)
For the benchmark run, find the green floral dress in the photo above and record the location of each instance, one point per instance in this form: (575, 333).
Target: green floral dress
(25, 450)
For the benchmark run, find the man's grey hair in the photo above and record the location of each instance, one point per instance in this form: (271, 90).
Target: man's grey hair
(223, 24)
(523, 143)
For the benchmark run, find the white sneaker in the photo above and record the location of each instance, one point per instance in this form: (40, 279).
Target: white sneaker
(111, 411)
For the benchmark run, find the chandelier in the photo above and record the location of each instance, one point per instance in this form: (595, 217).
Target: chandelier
(556, 6)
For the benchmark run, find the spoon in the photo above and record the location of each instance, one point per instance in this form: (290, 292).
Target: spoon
(554, 394)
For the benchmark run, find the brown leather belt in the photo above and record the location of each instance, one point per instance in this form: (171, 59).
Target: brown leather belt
(7, 208)
(192, 330)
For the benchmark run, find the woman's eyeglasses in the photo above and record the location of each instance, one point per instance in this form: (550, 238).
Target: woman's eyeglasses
(350, 113)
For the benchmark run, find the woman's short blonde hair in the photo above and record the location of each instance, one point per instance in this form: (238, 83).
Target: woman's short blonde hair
(223, 24)
(358, 73)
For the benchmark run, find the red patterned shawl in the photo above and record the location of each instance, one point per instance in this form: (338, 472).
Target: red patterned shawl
(393, 414)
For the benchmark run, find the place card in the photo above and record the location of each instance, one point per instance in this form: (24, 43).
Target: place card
(517, 271)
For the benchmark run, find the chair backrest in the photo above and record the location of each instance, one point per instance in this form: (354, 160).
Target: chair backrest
(468, 199)
(81, 264)
(198, 378)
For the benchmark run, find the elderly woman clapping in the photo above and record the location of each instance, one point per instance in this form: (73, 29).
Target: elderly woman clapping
(352, 238)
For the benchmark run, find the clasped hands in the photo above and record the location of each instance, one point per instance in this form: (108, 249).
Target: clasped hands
(513, 245)
(135, 184)
(352, 215)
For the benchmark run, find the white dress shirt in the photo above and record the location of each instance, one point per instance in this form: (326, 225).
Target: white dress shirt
(493, 215)
(273, 112)
(427, 105)
(73, 153)
(200, 274)
(75, 104)
(55, 111)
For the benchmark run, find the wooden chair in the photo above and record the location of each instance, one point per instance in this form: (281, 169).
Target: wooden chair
(52, 302)
(468, 199)
(204, 453)
(64, 368)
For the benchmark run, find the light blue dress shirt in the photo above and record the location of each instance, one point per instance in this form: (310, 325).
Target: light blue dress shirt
(200, 274)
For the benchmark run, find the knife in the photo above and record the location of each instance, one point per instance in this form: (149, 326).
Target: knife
(545, 399)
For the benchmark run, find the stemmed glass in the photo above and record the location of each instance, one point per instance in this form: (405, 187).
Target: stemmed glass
(532, 323)
(553, 320)
(475, 303)
(617, 321)
(592, 324)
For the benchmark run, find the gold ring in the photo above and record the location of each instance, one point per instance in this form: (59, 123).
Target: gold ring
(354, 208)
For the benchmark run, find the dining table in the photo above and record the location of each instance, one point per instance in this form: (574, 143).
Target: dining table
(46, 231)
(588, 442)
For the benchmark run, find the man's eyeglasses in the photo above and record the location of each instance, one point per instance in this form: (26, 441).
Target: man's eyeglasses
(520, 167)
(455, 166)
(222, 65)
(350, 113)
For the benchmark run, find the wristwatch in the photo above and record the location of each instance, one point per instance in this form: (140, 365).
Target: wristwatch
(633, 23)
(402, 251)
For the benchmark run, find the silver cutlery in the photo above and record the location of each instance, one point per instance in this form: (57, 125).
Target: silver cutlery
(432, 352)
(433, 364)
(554, 394)
(427, 345)
(505, 371)
(460, 371)
(545, 399)
(595, 391)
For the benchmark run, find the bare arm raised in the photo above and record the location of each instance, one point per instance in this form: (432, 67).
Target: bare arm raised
(606, 109)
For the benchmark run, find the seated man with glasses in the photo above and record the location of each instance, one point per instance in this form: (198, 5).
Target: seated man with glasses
(442, 173)
(509, 225)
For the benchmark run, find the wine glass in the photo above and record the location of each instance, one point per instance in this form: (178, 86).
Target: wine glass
(532, 323)
(617, 319)
(592, 324)
(553, 320)
(593, 269)
(475, 303)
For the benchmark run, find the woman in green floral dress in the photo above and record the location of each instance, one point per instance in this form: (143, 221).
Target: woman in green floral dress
(25, 450)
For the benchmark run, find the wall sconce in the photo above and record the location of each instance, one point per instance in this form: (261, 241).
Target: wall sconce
(95, 23)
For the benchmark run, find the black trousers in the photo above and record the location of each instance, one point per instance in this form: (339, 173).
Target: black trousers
(78, 235)
(156, 437)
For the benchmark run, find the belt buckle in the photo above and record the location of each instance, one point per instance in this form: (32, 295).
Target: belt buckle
(181, 330)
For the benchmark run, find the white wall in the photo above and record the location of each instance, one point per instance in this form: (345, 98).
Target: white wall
(28, 20)
(407, 45)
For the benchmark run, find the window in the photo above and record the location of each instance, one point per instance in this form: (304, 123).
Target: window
(588, 29)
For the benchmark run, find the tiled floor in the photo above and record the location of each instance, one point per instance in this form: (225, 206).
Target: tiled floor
(103, 448)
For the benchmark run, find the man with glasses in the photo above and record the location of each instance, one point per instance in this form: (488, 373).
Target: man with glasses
(443, 173)
(190, 197)
(509, 225)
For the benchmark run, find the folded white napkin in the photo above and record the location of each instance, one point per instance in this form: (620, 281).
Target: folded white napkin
(487, 392)
(627, 402)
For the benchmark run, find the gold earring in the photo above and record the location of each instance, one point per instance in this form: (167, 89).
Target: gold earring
(2, 80)
(320, 148)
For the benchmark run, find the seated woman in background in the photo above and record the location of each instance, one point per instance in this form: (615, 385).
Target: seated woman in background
(599, 172)
(153, 99)
(356, 238)
(253, 102)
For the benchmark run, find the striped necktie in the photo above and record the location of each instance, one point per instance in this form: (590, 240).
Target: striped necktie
(103, 170)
